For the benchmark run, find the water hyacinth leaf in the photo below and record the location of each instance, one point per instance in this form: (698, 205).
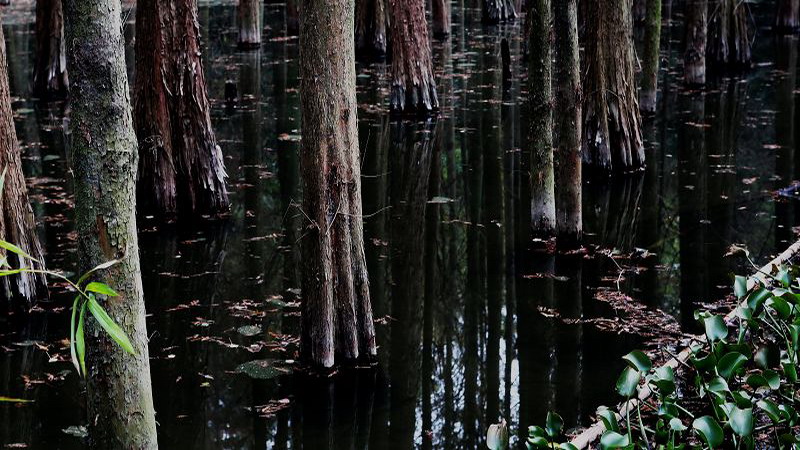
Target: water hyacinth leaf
(627, 382)
(741, 421)
(102, 266)
(742, 399)
(675, 424)
(718, 385)
(790, 371)
(612, 439)
(740, 286)
(537, 442)
(80, 342)
(638, 360)
(730, 363)
(567, 446)
(780, 306)
(101, 288)
(664, 379)
(757, 298)
(609, 419)
(794, 332)
(771, 409)
(783, 276)
(536, 431)
(497, 436)
(706, 363)
(16, 250)
(553, 424)
(766, 356)
(108, 324)
(773, 379)
(788, 413)
(716, 330)
(709, 430)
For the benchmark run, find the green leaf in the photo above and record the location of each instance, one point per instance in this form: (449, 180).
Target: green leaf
(567, 446)
(664, 379)
(627, 382)
(609, 418)
(769, 407)
(497, 436)
(676, 425)
(716, 330)
(109, 325)
(780, 306)
(790, 370)
(718, 386)
(18, 251)
(72, 351)
(706, 363)
(730, 363)
(536, 431)
(612, 439)
(80, 342)
(12, 399)
(709, 430)
(740, 286)
(553, 424)
(741, 421)
(757, 298)
(638, 360)
(783, 276)
(101, 288)
(105, 265)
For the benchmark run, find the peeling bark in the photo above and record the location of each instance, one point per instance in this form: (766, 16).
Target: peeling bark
(249, 14)
(370, 29)
(652, 44)
(413, 88)
(50, 70)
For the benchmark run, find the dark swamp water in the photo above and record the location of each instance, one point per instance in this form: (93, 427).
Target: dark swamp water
(473, 325)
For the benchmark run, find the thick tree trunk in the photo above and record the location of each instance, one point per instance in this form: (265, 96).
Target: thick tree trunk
(337, 313)
(567, 110)
(249, 13)
(104, 159)
(788, 15)
(728, 34)
(181, 170)
(496, 11)
(413, 88)
(612, 129)
(440, 10)
(652, 44)
(50, 71)
(694, 60)
(370, 29)
(17, 224)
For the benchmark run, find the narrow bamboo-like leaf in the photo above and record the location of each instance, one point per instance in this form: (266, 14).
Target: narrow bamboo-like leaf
(638, 360)
(709, 430)
(108, 324)
(80, 342)
(105, 265)
(72, 351)
(18, 251)
(101, 288)
(13, 400)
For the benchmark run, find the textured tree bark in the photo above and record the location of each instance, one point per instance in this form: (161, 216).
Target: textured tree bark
(652, 44)
(181, 170)
(17, 224)
(120, 401)
(50, 70)
(496, 11)
(249, 14)
(694, 60)
(370, 29)
(413, 88)
(728, 34)
(440, 10)
(612, 129)
(540, 134)
(337, 313)
(788, 15)
(567, 110)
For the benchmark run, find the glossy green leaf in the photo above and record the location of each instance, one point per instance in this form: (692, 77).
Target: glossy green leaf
(627, 382)
(102, 266)
(757, 299)
(16, 250)
(771, 409)
(718, 386)
(553, 424)
(706, 363)
(101, 288)
(109, 325)
(80, 342)
(783, 276)
(497, 436)
(609, 419)
(740, 286)
(790, 371)
(664, 379)
(780, 306)
(612, 439)
(72, 324)
(730, 363)
(676, 425)
(716, 330)
(13, 400)
(741, 421)
(709, 430)
(567, 446)
(638, 360)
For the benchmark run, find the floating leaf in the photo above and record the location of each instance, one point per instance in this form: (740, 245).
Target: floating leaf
(638, 360)
(263, 369)
(108, 324)
(249, 330)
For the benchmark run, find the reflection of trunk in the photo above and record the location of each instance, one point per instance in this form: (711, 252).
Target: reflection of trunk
(370, 29)
(50, 71)
(728, 34)
(652, 44)
(336, 302)
(104, 157)
(180, 167)
(786, 62)
(788, 15)
(413, 88)
(694, 60)
(569, 301)
(496, 11)
(440, 10)
(612, 130)
(17, 224)
(567, 112)
(249, 14)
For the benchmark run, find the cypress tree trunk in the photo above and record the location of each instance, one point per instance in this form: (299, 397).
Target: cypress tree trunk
(336, 301)
(370, 29)
(249, 13)
(569, 223)
(652, 44)
(50, 70)
(694, 60)
(496, 11)
(120, 403)
(612, 129)
(413, 88)
(181, 170)
(17, 224)
(728, 39)
(440, 10)
(788, 15)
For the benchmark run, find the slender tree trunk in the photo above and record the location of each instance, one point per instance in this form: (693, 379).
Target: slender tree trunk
(694, 60)
(370, 29)
(337, 313)
(181, 170)
(413, 88)
(652, 44)
(612, 129)
(788, 15)
(50, 71)
(728, 34)
(249, 13)
(104, 157)
(17, 224)
(496, 11)
(569, 222)
(440, 10)
(540, 137)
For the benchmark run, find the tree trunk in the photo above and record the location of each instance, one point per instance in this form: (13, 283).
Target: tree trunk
(181, 170)
(788, 15)
(370, 29)
(104, 157)
(249, 13)
(652, 44)
(612, 129)
(694, 60)
(413, 88)
(337, 313)
(50, 71)
(728, 39)
(567, 123)
(17, 224)
(440, 10)
(496, 11)
(540, 137)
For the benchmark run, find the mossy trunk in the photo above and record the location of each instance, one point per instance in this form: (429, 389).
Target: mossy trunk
(337, 313)
(413, 88)
(612, 129)
(181, 169)
(728, 34)
(249, 14)
(440, 11)
(370, 30)
(694, 60)
(650, 63)
(120, 402)
(50, 70)
(17, 223)
(787, 18)
(567, 120)
(496, 11)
